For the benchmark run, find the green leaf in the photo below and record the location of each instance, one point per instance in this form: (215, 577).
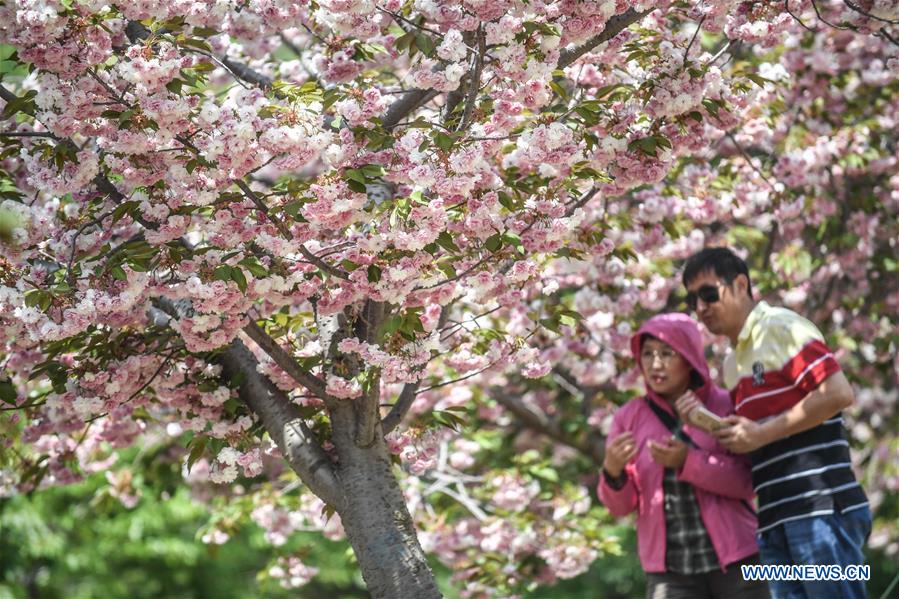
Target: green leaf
(392, 324)
(443, 141)
(238, 277)
(174, 86)
(404, 41)
(222, 273)
(356, 186)
(445, 240)
(253, 265)
(373, 170)
(8, 392)
(123, 209)
(425, 44)
(552, 324)
(608, 89)
(293, 208)
(354, 175)
(567, 320)
(118, 273)
(196, 452)
(546, 473)
(24, 104)
(494, 242)
(374, 273)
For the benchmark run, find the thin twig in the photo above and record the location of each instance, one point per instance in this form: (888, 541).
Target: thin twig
(720, 53)
(581, 201)
(825, 21)
(401, 19)
(693, 39)
(862, 11)
(331, 270)
(253, 197)
(80, 230)
(796, 17)
(748, 159)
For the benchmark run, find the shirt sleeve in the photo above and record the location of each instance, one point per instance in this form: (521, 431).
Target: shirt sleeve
(789, 360)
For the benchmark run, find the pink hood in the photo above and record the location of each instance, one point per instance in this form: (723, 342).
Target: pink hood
(682, 334)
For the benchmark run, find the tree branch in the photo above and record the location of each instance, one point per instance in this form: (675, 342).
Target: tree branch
(693, 39)
(285, 361)
(542, 424)
(614, 26)
(279, 416)
(581, 201)
(251, 195)
(405, 104)
(331, 270)
(475, 82)
(367, 408)
(862, 11)
(401, 407)
(282, 420)
(28, 134)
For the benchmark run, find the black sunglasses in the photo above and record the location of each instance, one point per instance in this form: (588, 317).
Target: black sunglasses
(707, 293)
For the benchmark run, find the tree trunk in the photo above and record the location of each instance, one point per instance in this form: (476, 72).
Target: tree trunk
(361, 487)
(375, 516)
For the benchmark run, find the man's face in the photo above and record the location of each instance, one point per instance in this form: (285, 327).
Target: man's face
(717, 315)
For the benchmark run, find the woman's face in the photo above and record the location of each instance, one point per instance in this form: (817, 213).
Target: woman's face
(665, 370)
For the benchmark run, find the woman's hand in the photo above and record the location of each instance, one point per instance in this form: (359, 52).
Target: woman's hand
(620, 451)
(671, 453)
(685, 405)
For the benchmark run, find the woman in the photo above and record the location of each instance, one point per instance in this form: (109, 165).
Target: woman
(695, 525)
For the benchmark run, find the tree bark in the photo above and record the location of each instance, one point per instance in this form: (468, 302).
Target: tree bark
(375, 517)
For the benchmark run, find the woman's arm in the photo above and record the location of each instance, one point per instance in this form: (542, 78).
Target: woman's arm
(718, 472)
(620, 498)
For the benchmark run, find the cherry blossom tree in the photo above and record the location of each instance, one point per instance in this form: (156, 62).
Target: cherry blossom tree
(399, 247)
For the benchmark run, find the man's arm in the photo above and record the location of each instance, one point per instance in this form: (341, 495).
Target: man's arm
(830, 397)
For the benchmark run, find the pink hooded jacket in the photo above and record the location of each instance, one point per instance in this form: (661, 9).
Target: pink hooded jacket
(720, 479)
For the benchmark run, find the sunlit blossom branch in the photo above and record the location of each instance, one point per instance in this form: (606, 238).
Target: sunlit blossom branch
(285, 361)
(614, 26)
(282, 420)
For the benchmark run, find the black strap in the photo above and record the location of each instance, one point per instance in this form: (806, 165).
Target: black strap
(672, 425)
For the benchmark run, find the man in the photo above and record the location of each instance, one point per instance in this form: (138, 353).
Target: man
(788, 392)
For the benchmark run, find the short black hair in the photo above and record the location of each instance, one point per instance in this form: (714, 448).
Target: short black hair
(720, 260)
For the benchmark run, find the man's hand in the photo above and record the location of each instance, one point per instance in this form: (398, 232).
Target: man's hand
(671, 453)
(620, 451)
(685, 405)
(742, 435)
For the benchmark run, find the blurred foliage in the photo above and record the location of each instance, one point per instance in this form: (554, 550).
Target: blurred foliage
(79, 542)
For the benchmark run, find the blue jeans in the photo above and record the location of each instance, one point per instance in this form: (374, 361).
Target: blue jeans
(818, 540)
